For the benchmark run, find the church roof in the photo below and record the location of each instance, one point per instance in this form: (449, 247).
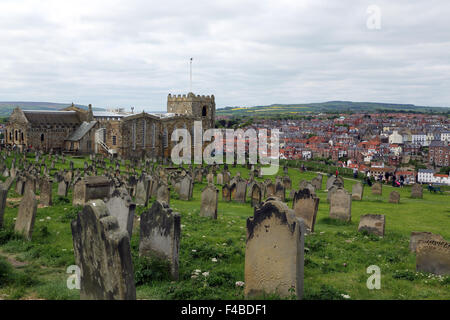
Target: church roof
(51, 117)
(81, 131)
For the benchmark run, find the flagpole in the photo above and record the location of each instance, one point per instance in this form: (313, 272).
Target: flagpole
(190, 76)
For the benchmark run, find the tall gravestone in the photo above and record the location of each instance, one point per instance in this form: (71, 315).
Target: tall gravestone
(305, 205)
(280, 191)
(341, 204)
(210, 198)
(163, 193)
(256, 196)
(240, 191)
(226, 193)
(219, 178)
(160, 232)
(270, 190)
(274, 254)
(46, 192)
(121, 206)
(62, 188)
(27, 214)
(103, 253)
(142, 191)
(186, 188)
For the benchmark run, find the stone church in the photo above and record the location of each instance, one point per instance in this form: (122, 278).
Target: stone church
(78, 131)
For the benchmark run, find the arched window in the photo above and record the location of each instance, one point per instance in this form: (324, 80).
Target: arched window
(17, 137)
(42, 137)
(204, 111)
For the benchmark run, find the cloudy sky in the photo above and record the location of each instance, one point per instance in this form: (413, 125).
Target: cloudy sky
(133, 53)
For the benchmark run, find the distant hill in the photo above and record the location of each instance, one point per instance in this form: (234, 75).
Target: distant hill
(8, 106)
(326, 107)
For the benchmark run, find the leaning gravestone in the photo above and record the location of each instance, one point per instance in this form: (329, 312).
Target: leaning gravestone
(373, 224)
(305, 205)
(103, 253)
(417, 236)
(433, 257)
(122, 207)
(317, 182)
(210, 198)
(377, 189)
(417, 191)
(330, 182)
(163, 193)
(27, 214)
(394, 197)
(186, 188)
(357, 191)
(341, 204)
(274, 254)
(160, 235)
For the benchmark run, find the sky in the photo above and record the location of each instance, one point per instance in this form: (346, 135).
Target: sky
(134, 53)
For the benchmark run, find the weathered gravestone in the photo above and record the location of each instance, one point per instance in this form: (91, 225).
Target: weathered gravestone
(240, 191)
(122, 207)
(4, 188)
(20, 185)
(417, 191)
(433, 257)
(417, 236)
(226, 177)
(280, 191)
(220, 178)
(226, 193)
(305, 205)
(186, 188)
(287, 182)
(210, 198)
(46, 192)
(163, 193)
(317, 182)
(340, 204)
(274, 254)
(210, 178)
(357, 191)
(160, 235)
(103, 254)
(377, 189)
(91, 188)
(270, 190)
(256, 196)
(373, 224)
(330, 181)
(394, 197)
(142, 191)
(27, 214)
(62, 188)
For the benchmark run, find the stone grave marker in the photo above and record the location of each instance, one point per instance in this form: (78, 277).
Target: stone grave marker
(341, 204)
(373, 224)
(210, 198)
(305, 205)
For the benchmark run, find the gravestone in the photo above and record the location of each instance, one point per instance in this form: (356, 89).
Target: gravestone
(341, 204)
(270, 190)
(394, 197)
(160, 232)
(226, 177)
(330, 181)
(46, 192)
(186, 188)
(210, 178)
(417, 191)
(357, 191)
(373, 224)
(433, 257)
(103, 253)
(241, 191)
(377, 189)
(226, 193)
(210, 198)
(163, 193)
(62, 188)
(305, 205)
(417, 236)
(3, 196)
(280, 191)
(317, 183)
(330, 191)
(256, 196)
(26, 215)
(91, 188)
(142, 191)
(220, 178)
(287, 182)
(121, 206)
(274, 254)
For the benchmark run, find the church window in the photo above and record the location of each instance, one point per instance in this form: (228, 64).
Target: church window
(204, 111)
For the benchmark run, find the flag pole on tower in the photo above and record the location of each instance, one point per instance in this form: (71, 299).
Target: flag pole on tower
(190, 76)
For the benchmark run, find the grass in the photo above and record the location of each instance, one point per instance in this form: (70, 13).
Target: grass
(336, 255)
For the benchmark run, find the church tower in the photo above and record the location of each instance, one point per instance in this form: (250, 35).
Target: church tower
(200, 107)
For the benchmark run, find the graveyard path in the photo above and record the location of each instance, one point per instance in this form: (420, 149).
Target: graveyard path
(11, 258)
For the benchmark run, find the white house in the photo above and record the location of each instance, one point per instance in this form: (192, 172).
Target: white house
(395, 138)
(425, 176)
(445, 136)
(419, 138)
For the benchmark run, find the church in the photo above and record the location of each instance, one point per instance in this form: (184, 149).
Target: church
(79, 131)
